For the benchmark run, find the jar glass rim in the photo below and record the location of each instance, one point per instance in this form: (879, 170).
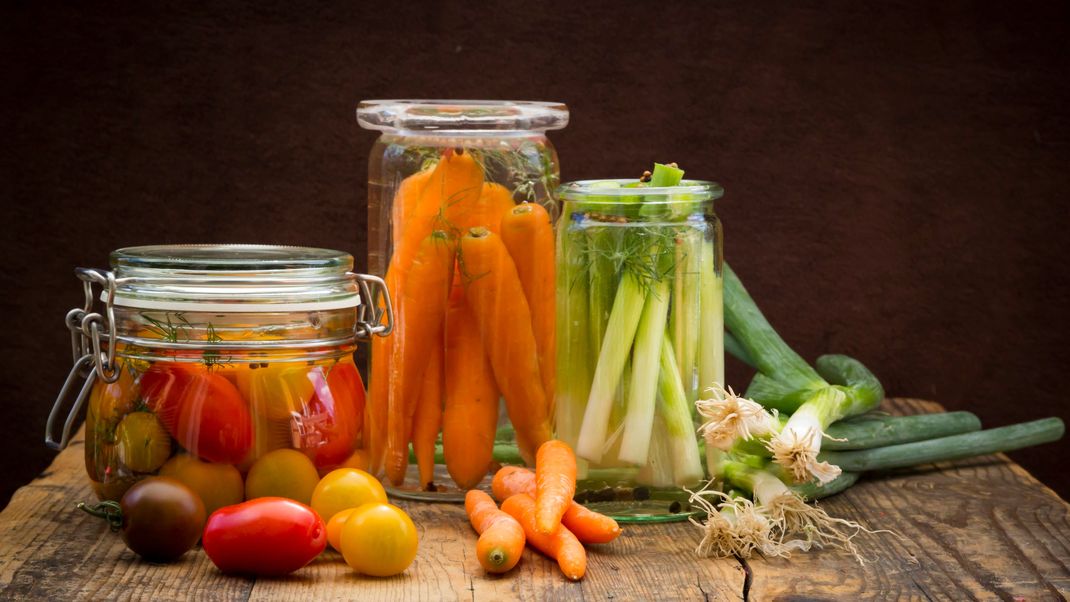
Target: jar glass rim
(452, 116)
(620, 190)
(229, 258)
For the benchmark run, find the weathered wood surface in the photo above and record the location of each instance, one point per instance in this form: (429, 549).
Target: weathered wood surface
(980, 529)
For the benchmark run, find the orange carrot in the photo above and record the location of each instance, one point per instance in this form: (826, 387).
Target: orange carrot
(486, 211)
(418, 324)
(471, 412)
(528, 233)
(560, 545)
(496, 297)
(501, 538)
(555, 484)
(428, 417)
(405, 200)
(587, 525)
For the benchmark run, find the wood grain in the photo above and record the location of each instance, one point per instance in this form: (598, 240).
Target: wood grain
(980, 529)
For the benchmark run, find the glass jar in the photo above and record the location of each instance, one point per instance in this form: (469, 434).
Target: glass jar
(640, 336)
(204, 358)
(460, 212)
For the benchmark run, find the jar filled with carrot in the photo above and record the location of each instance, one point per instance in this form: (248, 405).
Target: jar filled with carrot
(640, 336)
(460, 226)
(228, 367)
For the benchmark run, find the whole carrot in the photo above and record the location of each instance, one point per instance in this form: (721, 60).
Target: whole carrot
(428, 417)
(496, 297)
(528, 234)
(560, 545)
(501, 538)
(471, 407)
(406, 199)
(555, 484)
(484, 210)
(421, 311)
(587, 525)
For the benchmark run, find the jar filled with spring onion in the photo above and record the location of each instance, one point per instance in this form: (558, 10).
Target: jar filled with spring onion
(640, 336)
(228, 367)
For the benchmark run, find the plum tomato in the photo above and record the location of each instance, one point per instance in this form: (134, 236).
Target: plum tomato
(141, 442)
(282, 473)
(217, 485)
(159, 518)
(327, 428)
(201, 409)
(265, 536)
(379, 540)
(345, 488)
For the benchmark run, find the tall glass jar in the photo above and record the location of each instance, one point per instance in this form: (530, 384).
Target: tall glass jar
(460, 213)
(205, 360)
(640, 335)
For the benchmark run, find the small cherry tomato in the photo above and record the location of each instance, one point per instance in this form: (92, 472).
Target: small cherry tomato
(201, 409)
(265, 536)
(379, 540)
(334, 527)
(141, 442)
(345, 488)
(358, 459)
(108, 403)
(217, 485)
(159, 518)
(282, 473)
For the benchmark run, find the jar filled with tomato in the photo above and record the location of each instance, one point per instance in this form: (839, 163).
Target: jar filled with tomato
(196, 361)
(460, 225)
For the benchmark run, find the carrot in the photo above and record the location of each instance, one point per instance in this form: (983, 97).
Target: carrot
(487, 211)
(421, 312)
(428, 417)
(528, 234)
(501, 538)
(587, 525)
(471, 412)
(555, 484)
(408, 195)
(496, 297)
(560, 545)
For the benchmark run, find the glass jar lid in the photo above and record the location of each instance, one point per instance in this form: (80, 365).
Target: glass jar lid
(461, 115)
(233, 278)
(616, 191)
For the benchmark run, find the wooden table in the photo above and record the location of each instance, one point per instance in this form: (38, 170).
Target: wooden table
(983, 529)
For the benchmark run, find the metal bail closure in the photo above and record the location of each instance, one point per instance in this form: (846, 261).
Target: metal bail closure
(84, 365)
(374, 306)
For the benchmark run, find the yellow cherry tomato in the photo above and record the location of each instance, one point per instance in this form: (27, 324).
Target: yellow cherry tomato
(141, 441)
(276, 391)
(357, 459)
(217, 484)
(334, 527)
(379, 540)
(345, 488)
(282, 473)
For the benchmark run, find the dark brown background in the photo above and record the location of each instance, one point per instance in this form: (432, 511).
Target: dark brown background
(897, 174)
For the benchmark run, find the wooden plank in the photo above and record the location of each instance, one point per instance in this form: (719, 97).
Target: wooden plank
(975, 529)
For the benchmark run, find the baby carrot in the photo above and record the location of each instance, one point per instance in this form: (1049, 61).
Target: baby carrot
(421, 312)
(555, 484)
(496, 297)
(587, 525)
(528, 234)
(428, 417)
(501, 538)
(560, 545)
(471, 411)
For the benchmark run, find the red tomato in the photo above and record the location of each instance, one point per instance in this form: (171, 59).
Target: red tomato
(329, 423)
(344, 380)
(265, 536)
(201, 409)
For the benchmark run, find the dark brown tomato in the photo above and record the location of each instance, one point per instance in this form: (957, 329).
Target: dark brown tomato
(162, 518)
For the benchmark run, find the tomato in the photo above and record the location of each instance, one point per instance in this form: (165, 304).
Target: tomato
(328, 424)
(275, 391)
(282, 473)
(345, 488)
(358, 459)
(217, 485)
(201, 409)
(265, 536)
(162, 518)
(379, 540)
(141, 442)
(345, 382)
(334, 527)
(107, 404)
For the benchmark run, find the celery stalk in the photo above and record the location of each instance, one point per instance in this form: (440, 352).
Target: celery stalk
(620, 333)
(573, 363)
(685, 306)
(711, 321)
(603, 245)
(643, 389)
(658, 470)
(674, 409)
